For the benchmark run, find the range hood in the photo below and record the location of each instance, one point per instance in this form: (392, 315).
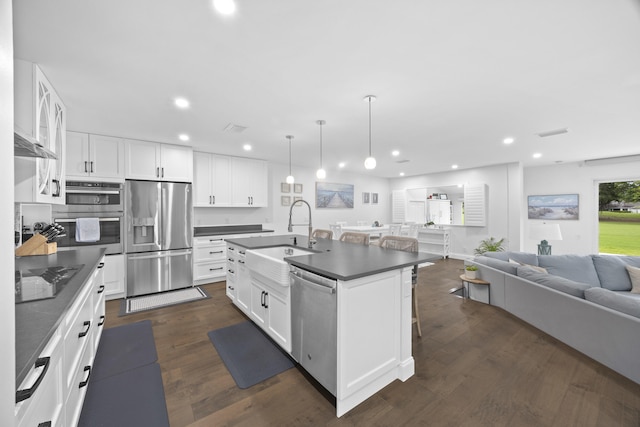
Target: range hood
(25, 146)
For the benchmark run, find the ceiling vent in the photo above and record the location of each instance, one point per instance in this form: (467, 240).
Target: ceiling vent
(233, 128)
(403, 161)
(553, 132)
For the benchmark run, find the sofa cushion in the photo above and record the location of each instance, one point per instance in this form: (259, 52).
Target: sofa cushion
(554, 282)
(497, 264)
(614, 300)
(535, 267)
(521, 257)
(634, 275)
(612, 272)
(578, 268)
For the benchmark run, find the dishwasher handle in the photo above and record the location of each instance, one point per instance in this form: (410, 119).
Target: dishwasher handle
(317, 286)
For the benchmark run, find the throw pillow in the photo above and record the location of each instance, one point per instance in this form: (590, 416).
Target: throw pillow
(634, 275)
(534, 267)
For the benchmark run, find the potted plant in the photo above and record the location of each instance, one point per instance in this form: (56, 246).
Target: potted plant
(471, 271)
(490, 245)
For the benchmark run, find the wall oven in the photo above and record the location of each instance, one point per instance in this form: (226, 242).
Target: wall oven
(102, 200)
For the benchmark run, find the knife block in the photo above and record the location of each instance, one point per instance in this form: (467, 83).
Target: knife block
(37, 245)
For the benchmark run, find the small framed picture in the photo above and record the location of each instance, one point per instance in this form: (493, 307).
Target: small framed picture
(285, 187)
(297, 188)
(374, 198)
(443, 197)
(365, 198)
(285, 200)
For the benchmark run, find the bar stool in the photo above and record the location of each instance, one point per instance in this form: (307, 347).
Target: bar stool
(407, 244)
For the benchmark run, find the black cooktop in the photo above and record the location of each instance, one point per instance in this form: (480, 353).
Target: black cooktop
(42, 283)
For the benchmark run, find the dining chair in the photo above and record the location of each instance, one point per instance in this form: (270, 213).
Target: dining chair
(395, 229)
(353, 237)
(336, 229)
(407, 244)
(319, 233)
(413, 230)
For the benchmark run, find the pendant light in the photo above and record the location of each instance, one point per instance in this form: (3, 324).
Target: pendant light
(370, 162)
(290, 178)
(321, 173)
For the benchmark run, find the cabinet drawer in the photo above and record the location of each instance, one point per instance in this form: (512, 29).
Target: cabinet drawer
(209, 270)
(78, 387)
(209, 253)
(78, 333)
(45, 404)
(208, 241)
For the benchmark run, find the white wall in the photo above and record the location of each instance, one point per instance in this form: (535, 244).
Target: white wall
(504, 192)
(581, 236)
(276, 216)
(7, 259)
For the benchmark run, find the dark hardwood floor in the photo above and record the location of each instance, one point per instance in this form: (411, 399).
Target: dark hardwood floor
(476, 365)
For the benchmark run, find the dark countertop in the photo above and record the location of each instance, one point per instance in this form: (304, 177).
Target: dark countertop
(36, 321)
(339, 260)
(217, 230)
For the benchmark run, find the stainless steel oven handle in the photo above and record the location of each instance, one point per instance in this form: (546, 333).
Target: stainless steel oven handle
(101, 219)
(80, 191)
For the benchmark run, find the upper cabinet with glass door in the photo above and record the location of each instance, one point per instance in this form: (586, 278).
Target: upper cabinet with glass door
(40, 113)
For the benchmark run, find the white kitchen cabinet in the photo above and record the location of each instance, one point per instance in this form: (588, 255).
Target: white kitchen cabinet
(439, 211)
(94, 157)
(249, 182)
(158, 162)
(211, 180)
(39, 113)
(271, 308)
(209, 259)
(69, 354)
(114, 276)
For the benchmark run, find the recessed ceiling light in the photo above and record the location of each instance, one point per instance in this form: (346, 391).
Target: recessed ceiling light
(225, 7)
(537, 155)
(454, 166)
(181, 103)
(508, 140)
(401, 173)
(341, 164)
(395, 153)
(247, 147)
(183, 137)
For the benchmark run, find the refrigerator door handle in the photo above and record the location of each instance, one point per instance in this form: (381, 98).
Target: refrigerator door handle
(151, 255)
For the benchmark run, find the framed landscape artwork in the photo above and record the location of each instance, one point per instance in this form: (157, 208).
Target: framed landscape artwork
(553, 206)
(334, 196)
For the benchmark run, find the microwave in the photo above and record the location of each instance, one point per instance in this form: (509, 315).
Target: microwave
(82, 196)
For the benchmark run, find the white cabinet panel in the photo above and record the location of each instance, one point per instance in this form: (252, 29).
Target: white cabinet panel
(114, 276)
(249, 182)
(211, 180)
(158, 162)
(94, 156)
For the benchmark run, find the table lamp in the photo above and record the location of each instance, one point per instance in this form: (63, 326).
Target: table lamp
(545, 232)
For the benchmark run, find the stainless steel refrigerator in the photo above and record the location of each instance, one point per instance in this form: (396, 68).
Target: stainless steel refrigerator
(158, 242)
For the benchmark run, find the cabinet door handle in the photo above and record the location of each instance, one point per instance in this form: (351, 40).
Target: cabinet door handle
(162, 172)
(266, 295)
(157, 172)
(231, 271)
(91, 162)
(217, 268)
(230, 287)
(101, 265)
(85, 166)
(101, 289)
(102, 319)
(262, 298)
(215, 252)
(28, 392)
(210, 200)
(86, 331)
(85, 382)
(56, 193)
(241, 261)
(214, 200)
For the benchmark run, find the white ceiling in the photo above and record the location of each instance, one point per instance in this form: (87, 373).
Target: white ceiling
(452, 77)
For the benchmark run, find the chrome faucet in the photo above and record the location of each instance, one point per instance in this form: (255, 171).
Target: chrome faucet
(290, 228)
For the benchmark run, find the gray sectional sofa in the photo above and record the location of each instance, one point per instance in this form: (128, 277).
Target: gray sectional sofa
(584, 301)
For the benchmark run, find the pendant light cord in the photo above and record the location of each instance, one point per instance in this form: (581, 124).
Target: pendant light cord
(369, 126)
(320, 144)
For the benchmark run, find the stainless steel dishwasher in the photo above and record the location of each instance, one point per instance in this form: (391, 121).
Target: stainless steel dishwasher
(314, 326)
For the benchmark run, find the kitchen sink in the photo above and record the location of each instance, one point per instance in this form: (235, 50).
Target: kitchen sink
(270, 263)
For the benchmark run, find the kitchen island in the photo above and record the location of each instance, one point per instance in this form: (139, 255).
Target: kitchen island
(365, 329)
(57, 333)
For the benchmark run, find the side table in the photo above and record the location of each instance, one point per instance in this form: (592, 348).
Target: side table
(476, 289)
